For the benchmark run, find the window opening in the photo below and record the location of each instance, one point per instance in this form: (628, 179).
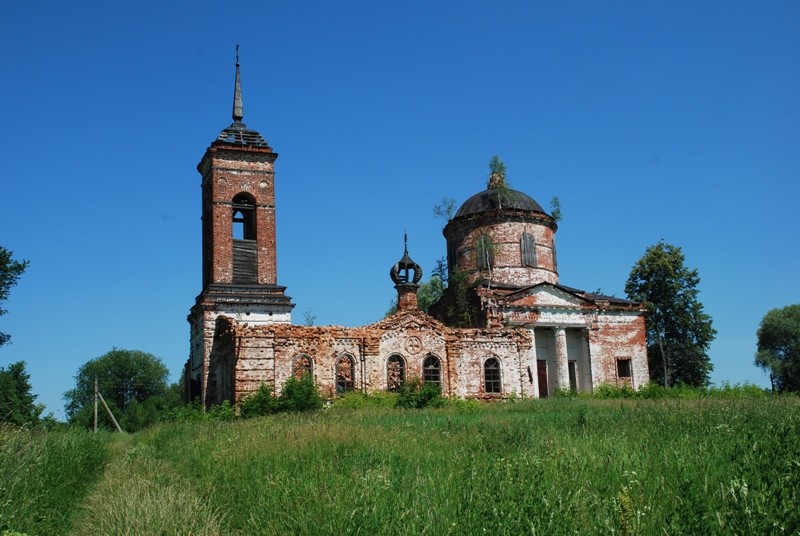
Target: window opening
(395, 372)
(573, 377)
(491, 376)
(624, 368)
(302, 365)
(244, 217)
(345, 368)
(431, 370)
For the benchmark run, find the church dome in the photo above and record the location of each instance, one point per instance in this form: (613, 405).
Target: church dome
(492, 199)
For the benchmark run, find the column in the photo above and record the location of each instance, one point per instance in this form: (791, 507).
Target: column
(562, 364)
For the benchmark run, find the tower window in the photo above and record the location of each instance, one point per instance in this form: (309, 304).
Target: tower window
(244, 217)
(528, 246)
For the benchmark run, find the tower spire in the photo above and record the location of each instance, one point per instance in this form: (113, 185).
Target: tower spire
(238, 109)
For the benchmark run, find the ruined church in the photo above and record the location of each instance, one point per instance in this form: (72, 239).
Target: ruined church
(505, 327)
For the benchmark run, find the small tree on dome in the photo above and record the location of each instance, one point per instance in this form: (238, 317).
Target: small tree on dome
(497, 182)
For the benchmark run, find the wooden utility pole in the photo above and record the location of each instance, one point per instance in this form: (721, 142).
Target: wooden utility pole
(109, 412)
(96, 392)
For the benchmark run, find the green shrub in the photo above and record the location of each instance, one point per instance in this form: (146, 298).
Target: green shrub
(300, 395)
(355, 400)
(608, 391)
(416, 394)
(260, 403)
(223, 412)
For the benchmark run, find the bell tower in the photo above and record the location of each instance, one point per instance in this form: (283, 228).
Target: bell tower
(240, 276)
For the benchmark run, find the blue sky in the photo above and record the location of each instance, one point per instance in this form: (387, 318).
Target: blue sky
(649, 120)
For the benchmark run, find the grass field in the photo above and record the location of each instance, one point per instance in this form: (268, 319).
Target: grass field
(557, 466)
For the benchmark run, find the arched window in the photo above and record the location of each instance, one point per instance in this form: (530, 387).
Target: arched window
(302, 365)
(345, 372)
(395, 372)
(244, 217)
(491, 376)
(528, 246)
(431, 370)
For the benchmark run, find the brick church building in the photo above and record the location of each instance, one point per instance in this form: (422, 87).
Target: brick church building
(509, 328)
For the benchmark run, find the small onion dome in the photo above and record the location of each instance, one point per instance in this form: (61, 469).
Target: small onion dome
(401, 272)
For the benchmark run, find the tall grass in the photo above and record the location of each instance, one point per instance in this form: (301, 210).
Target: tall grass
(556, 466)
(44, 476)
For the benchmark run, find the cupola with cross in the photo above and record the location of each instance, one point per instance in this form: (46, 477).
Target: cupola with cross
(406, 275)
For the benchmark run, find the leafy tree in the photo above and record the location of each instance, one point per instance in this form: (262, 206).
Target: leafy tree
(779, 347)
(10, 270)
(133, 384)
(679, 333)
(16, 400)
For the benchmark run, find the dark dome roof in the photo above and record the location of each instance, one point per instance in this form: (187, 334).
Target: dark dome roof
(488, 200)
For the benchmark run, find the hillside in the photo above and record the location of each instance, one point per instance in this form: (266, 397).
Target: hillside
(560, 466)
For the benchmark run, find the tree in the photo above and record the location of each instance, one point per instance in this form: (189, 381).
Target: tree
(679, 333)
(10, 270)
(133, 384)
(555, 209)
(445, 210)
(16, 400)
(779, 347)
(497, 182)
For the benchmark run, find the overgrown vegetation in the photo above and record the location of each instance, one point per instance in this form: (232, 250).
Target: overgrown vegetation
(415, 394)
(297, 395)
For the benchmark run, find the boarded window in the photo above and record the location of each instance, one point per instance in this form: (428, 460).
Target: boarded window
(484, 252)
(491, 376)
(345, 372)
(528, 246)
(395, 372)
(431, 370)
(301, 366)
(624, 368)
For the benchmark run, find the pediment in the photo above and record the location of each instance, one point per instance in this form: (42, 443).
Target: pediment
(545, 295)
(410, 320)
